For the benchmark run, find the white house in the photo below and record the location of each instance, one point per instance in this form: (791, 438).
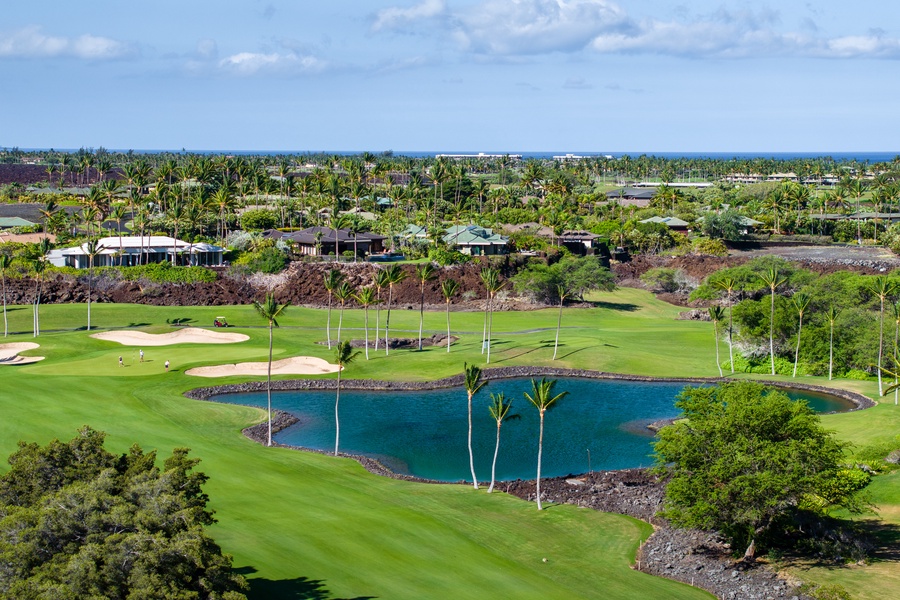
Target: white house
(129, 251)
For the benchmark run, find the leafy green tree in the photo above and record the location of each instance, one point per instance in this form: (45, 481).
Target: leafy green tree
(745, 457)
(500, 411)
(81, 522)
(270, 311)
(577, 275)
(473, 384)
(801, 303)
(543, 399)
(343, 356)
(424, 273)
(716, 314)
(449, 287)
(727, 225)
(331, 280)
(258, 219)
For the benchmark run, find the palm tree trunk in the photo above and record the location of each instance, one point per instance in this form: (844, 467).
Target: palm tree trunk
(471, 456)
(340, 320)
(730, 329)
(490, 327)
(337, 422)
(421, 315)
(540, 453)
(448, 323)
(269, 386)
(772, 333)
(896, 339)
(90, 282)
(830, 350)
(328, 323)
(494, 463)
(377, 320)
(5, 323)
(367, 330)
(387, 322)
(484, 327)
(797, 349)
(880, 345)
(716, 334)
(558, 324)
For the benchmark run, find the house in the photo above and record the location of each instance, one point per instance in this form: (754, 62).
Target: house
(414, 234)
(582, 243)
(10, 222)
(639, 198)
(673, 223)
(321, 241)
(129, 251)
(475, 240)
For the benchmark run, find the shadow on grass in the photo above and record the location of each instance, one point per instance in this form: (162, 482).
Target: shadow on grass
(622, 306)
(298, 588)
(179, 321)
(138, 324)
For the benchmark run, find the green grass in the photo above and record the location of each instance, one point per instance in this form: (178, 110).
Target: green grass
(304, 524)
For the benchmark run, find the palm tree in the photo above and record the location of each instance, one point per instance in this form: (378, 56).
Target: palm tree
(449, 287)
(492, 284)
(5, 260)
(831, 314)
(93, 248)
(270, 311)
(343, 356)
(563, 292)
(728, 284)
(543, 399)
(473, 386)
(801, 303)
(716, 314)
(424, 273)
(499, 409)
(39, 264)
(343, 293)
(882, 287)
(379, 281)
(394, 274)
(117, 214)
(772, 279)
(366, 298)
(332, 279)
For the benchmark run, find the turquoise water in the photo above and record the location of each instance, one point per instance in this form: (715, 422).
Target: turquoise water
(423, 433)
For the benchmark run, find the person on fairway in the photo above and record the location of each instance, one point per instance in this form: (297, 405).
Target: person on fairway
(121, 364)
(141, 353)
(167, 366)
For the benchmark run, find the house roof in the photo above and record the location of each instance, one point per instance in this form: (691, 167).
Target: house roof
(308, 236)
(635, 193)
(6, 222)
(473, 235)
(134, 244)
(667, 221)
(578, 236)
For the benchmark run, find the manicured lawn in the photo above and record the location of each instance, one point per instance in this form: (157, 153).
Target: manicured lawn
(300, 524)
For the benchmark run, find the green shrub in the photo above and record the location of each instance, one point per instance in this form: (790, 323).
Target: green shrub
(259, 218)
(709, 247)
(265, 260)
(166, 273)
(858, 374)
(445, 257)
(664, 279)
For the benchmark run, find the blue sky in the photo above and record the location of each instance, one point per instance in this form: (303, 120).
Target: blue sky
(473, 75)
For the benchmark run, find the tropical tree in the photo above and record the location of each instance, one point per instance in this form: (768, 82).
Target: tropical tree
(801, 303)
(882, 287)
(342, 293)
(473, 386)
(449, 287)
(728, 285)
(93, 248)
(379, 281)
(38, 255)
(563, 293)
(270, 311)
(4, 265)
(716, 314)
(394, 275)
(543, 399)
(366, 298)
(343, 356)
(332, 279)
(500, 411)
(491, 279)
(117, 213)
(772, 279)
(424, 273)
(831, 315)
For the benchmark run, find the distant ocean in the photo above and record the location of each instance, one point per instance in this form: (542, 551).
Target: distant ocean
(867, 157)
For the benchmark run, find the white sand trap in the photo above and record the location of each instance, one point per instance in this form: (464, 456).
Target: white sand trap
(9, 353)
(188, 335)
(297, 365)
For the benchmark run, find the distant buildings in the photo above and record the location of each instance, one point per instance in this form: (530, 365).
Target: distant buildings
(129, 251)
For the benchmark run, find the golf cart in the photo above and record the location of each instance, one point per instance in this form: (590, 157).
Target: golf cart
(220, 322)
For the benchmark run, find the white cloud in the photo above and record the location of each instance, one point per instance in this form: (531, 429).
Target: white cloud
(252, 63)
(396, 17)
(30, 42)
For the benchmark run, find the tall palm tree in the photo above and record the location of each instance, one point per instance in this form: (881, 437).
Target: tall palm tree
(728, 284)
(5, 260)
(117, 214)
(801, 303)
(424, 273)
(394, 275)
(343, 356)
(39, 253)
(379, 282)
(882, 287)
(500, 411)
(490, 278)
(342, 293)
(895, 309)
(543, 399)
(716, 314)
(332, 279)
(270, 311)
(563, 292)
(93, 248)
(473, 386)
(772, 279)
(831, 315)
(366, 298)
(449, 287)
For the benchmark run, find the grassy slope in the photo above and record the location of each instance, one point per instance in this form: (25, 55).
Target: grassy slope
(301, 522)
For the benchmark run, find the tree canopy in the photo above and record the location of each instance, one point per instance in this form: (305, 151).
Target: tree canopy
(77, 521)
(746, 457)
(575, 275)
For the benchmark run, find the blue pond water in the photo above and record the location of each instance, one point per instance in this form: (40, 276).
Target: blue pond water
(423, 433)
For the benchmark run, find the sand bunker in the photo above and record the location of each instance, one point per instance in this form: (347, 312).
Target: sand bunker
(298, 365)
(188, 335)
(9, 353)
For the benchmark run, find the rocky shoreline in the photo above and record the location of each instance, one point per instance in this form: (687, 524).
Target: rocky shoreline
(698, 558)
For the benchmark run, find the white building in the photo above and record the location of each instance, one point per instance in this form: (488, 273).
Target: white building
(129, 251)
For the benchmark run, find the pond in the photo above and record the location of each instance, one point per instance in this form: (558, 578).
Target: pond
(600, 425)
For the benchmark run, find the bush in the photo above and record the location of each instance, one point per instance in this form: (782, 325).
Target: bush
(445, 258)
(664, 279)
(166, 273)
(709, 247)
(265, 260)
(258, 219)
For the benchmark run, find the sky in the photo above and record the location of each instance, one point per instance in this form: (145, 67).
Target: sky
(452, 75)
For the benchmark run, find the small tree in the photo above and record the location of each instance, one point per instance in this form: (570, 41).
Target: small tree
(728, 285)
(343, 356)
(772, 279)
(882, 287)
(542, 398)
(93, 250)
(393, 275)
(270, 311)
(342, 293)
(379, 281)
(449, 287)
(473, 386)
(831, 315)
(500, 411)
